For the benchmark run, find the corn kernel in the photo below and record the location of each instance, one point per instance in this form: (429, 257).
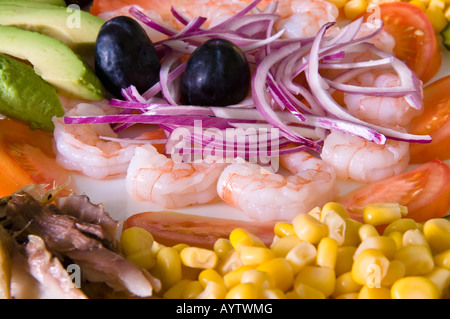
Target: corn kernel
(351, 236)
(435, 13)
(419, 4)
(135, 239)
(370, 267)
(414, 287)
(345, 284)
(397, 237)
(336, 226)
(320, 278)
(301, 255)
(315, 212)
(273, 293)
(400, 225)
(180, 247)
(222, 247)
(208, 275)
(192, 290)
(309, 229)
(441, 278)
(344, 259)
(374, 293)
(354, 8)
(234, 277)
(443, 259)
(195, 257)
(367, 230)
(144, 258)
(383, 243)
(177, 290)
(447, 14)
(414, 237)
(243, 291)
(259, 278)
(395, 271)
(229, 263)
(213, 290)
(327, 252)
(304, 291)
(168, 267)
(416, 258)
(240, 237)
(437, 234)
(282, 229)
(283, 245)
(338, 208)
(280, 270)
(255, 255)
(338, 3)
(383, 213)
(350, 295)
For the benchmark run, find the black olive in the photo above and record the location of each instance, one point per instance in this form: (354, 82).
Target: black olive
(217, 74)
(125, 55)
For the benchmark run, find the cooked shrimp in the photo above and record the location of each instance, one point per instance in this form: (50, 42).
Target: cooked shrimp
(384, 111)
(304, 18)
(154, 177)
(80, 147)
(354, 158)
(269, 196)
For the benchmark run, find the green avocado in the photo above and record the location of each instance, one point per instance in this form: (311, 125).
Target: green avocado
(36, 2)
(25, 96)
(54, 61)
(76, 28)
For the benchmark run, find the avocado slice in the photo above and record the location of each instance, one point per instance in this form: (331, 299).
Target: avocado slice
(25, 96)
(36, 2)
(54, 61)
(76, 28)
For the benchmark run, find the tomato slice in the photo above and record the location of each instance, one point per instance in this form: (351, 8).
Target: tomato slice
(416, 41)
(26, 157)
(434, 122)
(171, 228)
(425, 190)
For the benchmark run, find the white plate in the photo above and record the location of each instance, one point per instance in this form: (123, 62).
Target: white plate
(112, 194)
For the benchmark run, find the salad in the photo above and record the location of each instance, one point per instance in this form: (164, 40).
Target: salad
(159, 139)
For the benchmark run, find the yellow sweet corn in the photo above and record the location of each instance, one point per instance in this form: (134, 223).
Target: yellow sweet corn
(374, 293)
(420, 4)
(301, 255)
(354, 8)
(321, 254)
(309, 229)
(383, 213)
(339, 3)
(436, 15)
(443, 259)
(281, 272)
(327, 252)
(240, 237)
(320, 278)
(135, 239)
(283, 229)
(282, 246)
(344, 259)
(345, 285)
(437, 234)
(370, 267)
(255, 255)
(416, 258)
(247, 290)
(414, 287)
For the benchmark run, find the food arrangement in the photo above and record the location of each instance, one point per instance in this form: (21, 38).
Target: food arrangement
(334, 101)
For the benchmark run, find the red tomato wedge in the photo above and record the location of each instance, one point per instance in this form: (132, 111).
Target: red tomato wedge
(416, 41)
(171, 228)
(434, 122)
(425, 190)
(26, 158)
